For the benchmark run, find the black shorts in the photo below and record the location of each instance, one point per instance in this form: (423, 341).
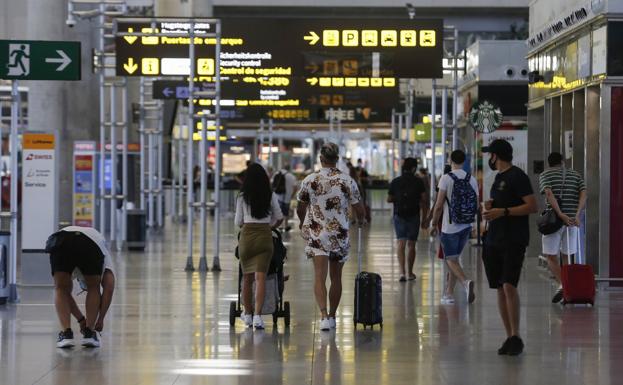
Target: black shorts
(77, 251)
(503, 264)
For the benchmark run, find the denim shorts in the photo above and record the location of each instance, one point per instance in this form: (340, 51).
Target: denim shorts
(285, 208)
(407, 229)
(454, 243)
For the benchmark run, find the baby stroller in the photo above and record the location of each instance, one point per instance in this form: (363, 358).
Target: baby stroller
(274, 286)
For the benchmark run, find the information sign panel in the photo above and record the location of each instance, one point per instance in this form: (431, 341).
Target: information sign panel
(38, 190)
(84, 183)
(368, 47)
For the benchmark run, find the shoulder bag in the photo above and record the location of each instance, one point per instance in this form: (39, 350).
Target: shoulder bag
(549, 222)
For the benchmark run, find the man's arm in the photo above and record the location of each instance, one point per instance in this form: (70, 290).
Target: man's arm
(75, 311)
(424, 206)
(301, 211)
(581, 206)
(108, 288)
(438, 209)
(528, 207)
(551, 199)
(360, 210)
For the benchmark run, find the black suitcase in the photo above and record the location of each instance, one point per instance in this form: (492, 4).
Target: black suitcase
(368, 295)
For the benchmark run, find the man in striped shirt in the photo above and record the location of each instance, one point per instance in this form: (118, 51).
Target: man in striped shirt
(568, 201)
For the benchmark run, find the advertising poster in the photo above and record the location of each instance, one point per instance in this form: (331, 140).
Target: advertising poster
(519, 140)
(38, 190)
(84, 184)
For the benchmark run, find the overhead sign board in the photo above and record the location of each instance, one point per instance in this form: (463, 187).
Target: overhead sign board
(39, 60)
(367, 47)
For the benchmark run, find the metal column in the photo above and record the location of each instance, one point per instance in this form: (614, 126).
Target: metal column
(444, 123)
(113, 166)
(102, 91)
(160, 169)
(189, 152)
(216, 264)
(401, 150)
(455, 95)
(393, 157)
(141, 130)
(432, 142)
(13, 297)
(203, 263)
(124, 159)
(270, 146)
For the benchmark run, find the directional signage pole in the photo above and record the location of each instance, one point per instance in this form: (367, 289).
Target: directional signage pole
(189, 171)
(13, 297)
(216, 263)
(39, 60)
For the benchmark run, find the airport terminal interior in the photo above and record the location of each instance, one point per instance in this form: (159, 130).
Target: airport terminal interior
(138, 136)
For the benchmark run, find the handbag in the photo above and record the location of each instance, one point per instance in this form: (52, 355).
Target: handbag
(549, 222)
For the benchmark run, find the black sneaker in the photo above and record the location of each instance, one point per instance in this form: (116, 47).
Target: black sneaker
(515, 346)
(504, 348)
(89, 339)
(65, 339)
(558, 296)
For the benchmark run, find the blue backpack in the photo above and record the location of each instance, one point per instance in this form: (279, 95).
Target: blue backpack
(464, 204)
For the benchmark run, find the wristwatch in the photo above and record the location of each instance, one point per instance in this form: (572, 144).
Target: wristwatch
(507, 212)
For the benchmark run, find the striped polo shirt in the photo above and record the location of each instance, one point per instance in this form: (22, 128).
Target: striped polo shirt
(574, 184)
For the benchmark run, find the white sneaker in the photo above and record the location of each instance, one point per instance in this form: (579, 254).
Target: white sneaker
(247, 319)
(258, 322)
(332, 322)
(89, 339)
(325, 324)
(469, 291)
(447, 300)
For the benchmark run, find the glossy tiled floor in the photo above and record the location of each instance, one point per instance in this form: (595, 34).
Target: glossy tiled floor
(170, 327)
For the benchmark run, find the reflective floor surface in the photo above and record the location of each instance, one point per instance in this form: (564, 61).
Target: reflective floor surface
(169, 327)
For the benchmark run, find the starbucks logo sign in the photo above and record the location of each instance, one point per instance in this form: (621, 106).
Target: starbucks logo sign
(485, 117)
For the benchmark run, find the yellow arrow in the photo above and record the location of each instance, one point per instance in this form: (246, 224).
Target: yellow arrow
(312, 81)
(312, 38)
(130, 39)
(130, 66)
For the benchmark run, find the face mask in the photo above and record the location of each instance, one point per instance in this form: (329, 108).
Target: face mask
(492, 164)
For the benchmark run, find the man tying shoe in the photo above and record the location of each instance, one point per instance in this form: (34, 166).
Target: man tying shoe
(81, 252)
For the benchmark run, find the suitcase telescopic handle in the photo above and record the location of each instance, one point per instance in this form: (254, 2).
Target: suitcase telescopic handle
(359, 251)
(578, 243)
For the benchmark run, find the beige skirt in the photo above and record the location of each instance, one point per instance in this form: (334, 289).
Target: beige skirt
(255, 247)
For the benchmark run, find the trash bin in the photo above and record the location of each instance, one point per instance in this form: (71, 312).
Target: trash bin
(136, 230)
(5, 242)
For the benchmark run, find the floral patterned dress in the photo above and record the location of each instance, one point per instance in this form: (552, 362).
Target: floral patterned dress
(328, 193)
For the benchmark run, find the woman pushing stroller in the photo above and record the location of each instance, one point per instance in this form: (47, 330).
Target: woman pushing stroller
(257, 212)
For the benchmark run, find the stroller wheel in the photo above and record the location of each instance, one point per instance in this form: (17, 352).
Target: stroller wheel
(232, 313)
(286, 313)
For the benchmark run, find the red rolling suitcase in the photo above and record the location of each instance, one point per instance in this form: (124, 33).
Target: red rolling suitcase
(578, 280)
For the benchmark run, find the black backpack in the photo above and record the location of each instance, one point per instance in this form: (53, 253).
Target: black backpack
(407, 201)
(279, 183)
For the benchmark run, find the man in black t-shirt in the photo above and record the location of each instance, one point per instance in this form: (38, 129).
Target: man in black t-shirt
(512, 201)
(407, 193)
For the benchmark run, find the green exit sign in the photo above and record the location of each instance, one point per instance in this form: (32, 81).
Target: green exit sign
(39, 60)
